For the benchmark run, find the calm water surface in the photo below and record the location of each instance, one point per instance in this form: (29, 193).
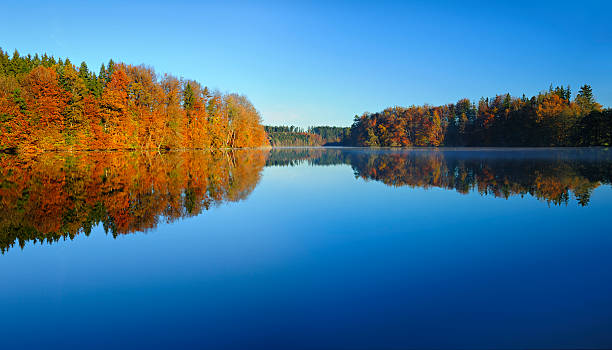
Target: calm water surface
(307, 248)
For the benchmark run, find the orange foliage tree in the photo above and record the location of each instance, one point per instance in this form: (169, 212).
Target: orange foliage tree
(52, 105)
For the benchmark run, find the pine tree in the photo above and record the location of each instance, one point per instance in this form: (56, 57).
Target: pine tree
(585, 99)
(188, 97)
(90, 80)
(110, 68)
(85, 76)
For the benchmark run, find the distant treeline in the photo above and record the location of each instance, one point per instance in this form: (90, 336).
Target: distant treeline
(313, 136)
(552, 118)
(49, 104)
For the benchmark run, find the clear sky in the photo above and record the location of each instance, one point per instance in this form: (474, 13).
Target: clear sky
(322, 62)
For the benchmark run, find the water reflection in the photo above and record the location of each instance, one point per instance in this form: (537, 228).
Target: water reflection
(59, 195)
(552, 175)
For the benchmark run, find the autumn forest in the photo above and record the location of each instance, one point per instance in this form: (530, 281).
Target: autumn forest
(49, 104)
(550, 119)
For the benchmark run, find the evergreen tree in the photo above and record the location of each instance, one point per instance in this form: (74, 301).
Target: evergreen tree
(110, 68)
(585, 99)
(85, 76)
(188, 97)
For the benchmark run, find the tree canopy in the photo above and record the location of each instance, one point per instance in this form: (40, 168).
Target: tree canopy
(550, 118)
(49, 104)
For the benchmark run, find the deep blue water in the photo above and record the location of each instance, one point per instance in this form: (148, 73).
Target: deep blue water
(342, 249)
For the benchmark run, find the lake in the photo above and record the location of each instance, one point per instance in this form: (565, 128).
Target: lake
(307, 248)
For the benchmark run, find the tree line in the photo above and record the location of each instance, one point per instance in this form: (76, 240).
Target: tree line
(280, 136)
(331, 135)
(49, 104)
(551, 118)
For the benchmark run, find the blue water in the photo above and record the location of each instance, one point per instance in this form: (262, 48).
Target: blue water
(319, 257)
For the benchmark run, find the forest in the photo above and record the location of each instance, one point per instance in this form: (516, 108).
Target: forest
(49, 104)
(283, 136)
(550, 119)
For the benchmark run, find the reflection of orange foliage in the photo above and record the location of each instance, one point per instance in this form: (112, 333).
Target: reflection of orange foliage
(551, 179)
(59, 195)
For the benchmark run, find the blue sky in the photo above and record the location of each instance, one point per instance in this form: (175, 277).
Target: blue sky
(320, 63)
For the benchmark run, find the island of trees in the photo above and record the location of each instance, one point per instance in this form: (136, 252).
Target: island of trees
(552, 118)
(49, 104)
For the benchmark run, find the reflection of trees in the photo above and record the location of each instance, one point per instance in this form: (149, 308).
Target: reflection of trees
(301, 155)
(550, 175)
(61, 195)
(292, 156)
